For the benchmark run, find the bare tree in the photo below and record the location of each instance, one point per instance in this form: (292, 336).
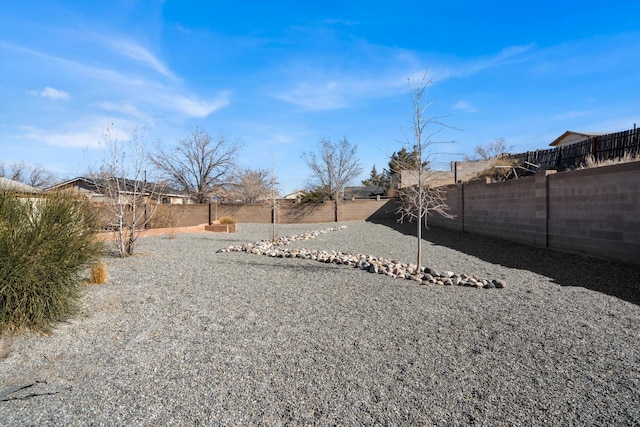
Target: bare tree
(15, 171)
(130, 200)
(333, 166)
(249, 185)
(36, 176)
(198, 164)
(40, 177)
(492, 149)
(273, 194)
(420, 198)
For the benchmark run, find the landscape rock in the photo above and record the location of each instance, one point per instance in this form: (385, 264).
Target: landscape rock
(499, 283)
(369, 263)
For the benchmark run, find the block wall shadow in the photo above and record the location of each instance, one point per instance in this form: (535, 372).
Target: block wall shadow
(620, 280)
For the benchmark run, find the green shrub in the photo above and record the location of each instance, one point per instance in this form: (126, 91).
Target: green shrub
(44, 243)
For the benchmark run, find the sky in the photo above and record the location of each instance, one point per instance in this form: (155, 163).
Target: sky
(279, 76)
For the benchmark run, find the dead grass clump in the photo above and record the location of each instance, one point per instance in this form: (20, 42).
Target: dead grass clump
(591, 162)
(98, 273)
(227, 220)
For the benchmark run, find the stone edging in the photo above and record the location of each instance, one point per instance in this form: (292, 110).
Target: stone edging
(369, 263)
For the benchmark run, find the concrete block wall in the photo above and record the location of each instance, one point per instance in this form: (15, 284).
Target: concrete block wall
(367, 209)
(190, 215)
(259, 213)
(594, 212)
(307, 213)
(597, 212)
(454, 200)
(506, 210)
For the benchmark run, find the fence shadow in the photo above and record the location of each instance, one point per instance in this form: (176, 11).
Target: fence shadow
(616, 279)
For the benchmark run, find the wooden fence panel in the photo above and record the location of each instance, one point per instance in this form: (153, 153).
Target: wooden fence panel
(572, 156)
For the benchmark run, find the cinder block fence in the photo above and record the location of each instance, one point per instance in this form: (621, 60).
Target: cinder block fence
(594, 212)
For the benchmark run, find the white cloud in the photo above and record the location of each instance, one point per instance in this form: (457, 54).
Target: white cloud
(136, 52)
(464, 106)
(167, 98)
(88, 133)
(315, 97)
(127, 109)
(195, 107)
(49, 92)
(76, 139)
(332, 93)
(468, 68)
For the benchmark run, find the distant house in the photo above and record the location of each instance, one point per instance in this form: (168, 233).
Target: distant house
(571, 137)
(95, 190)
(295, 195)
(363, 192)
(18, 187)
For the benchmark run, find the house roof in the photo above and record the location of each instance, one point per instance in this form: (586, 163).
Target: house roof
(568, 133)
(363, 192)
(129, 185)
(17, 186)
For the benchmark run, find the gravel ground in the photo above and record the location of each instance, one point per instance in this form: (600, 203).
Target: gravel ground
(182, 335)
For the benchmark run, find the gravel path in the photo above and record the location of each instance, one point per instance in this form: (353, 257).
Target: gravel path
(182, 335)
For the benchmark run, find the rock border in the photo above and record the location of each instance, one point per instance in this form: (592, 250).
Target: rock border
(369, 263)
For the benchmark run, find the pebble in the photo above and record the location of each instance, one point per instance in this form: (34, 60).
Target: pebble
(370, 263)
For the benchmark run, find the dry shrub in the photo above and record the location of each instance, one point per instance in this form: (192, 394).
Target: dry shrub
(98, 273)
(227, 220)
(591, 162)
(499, 170)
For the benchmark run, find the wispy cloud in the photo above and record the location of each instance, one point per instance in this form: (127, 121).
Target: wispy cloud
(100, 73)
(331, 89)
(136, 52)
(467, 68)
(49, 92)
(464, 106)
(314, 96)
(127, 109)
(75, 139)
(183, 29)
(163, 97)
(195, 107)
(89, 132)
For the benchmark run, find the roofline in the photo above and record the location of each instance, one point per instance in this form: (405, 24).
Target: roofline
(69, 181)
(585, 134)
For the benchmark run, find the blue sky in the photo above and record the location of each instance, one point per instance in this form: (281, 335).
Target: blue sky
(281, 75)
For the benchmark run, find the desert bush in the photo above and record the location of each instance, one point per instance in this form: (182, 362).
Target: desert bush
(500, 169)
(227, 220)
(98, 273)
(44, 243)
(591, 162)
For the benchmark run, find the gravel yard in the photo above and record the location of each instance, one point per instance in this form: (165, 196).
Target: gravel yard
(182, 335)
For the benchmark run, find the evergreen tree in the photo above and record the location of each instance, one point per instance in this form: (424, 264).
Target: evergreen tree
(376, 179)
